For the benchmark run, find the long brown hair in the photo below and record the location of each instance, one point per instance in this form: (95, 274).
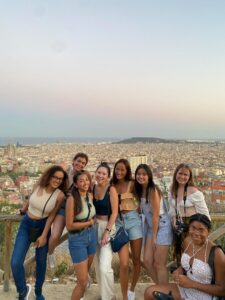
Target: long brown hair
(175, 184)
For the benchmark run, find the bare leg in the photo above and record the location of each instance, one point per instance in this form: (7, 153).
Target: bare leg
(124, 268)
(81, 270)
(58, 226)
(149, 259)
(136, 254)
(171, 287)
(160, 260)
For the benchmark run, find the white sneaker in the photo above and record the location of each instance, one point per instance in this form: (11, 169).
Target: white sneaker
(51, 261)
(29, 288)
(131, 295)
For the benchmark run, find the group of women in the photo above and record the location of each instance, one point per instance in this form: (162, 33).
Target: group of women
(94, 210)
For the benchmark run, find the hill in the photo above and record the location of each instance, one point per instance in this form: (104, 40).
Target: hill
(148, 140)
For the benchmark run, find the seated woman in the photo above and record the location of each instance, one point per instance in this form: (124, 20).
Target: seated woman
(80, 222)
(193, 279)
(40, 212)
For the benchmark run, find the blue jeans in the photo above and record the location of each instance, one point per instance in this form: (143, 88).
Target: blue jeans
(21, 247)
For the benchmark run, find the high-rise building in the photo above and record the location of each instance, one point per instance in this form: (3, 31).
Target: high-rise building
(137, 160)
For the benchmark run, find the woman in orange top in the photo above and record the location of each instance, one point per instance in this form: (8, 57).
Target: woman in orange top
(130, 219)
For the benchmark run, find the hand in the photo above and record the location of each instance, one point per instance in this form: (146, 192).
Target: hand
(184, 281)
(40, 242)
(105, 238)
(176, 273)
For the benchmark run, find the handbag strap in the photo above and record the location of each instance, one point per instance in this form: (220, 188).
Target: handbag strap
(89, 208)
(47, 203)
(184, 199)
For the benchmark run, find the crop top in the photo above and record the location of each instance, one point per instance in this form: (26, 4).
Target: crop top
(102, 206)
(84, 214)
(127, 200)
(37, 203)
(195, 200)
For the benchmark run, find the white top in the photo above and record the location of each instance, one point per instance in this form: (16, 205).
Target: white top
(37, 203)
(195, 200)
(200, 272)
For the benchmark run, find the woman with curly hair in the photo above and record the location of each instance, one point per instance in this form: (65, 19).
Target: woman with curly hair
(40, 211)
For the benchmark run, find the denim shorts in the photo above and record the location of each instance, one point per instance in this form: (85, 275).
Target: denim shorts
(82, 244)
(132, 223)
(165, 232)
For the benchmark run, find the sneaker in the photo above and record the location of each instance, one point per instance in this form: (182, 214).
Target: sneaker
(51, 261)
(131, 295)
(26, 296)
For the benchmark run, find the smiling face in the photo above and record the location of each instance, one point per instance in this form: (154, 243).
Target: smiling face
(198, 232)
(120, 171)
(56, 179)
(79, 164)
(142, 177)
(183, 176)
(102, 175)
(82, 183)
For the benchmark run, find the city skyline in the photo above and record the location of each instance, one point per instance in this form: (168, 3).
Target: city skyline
(112, 69)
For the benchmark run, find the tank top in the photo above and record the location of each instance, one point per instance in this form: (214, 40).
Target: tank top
(102, 206)
(127, 200)
(87, 206)
(37, 203)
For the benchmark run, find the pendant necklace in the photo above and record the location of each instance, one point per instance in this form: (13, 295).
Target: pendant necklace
(195, 252)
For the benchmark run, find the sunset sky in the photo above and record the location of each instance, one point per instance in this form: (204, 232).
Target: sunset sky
(114, 68)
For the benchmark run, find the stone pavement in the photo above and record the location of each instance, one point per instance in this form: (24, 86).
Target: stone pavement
(63, 292)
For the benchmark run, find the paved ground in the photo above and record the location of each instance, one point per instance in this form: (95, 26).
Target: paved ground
(63, 292)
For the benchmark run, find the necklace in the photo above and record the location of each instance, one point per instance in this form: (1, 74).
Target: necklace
(195, 252)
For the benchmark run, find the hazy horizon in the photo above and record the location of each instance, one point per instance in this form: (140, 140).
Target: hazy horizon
(112, 69)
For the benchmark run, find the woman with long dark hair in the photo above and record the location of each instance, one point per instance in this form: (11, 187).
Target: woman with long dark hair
(130, 219)
(158, 229)
(41, 209)
(80, 223)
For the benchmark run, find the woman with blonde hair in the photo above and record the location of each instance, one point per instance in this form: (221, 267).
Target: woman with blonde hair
(185, 200)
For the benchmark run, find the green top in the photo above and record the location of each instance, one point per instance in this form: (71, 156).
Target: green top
(85, 201)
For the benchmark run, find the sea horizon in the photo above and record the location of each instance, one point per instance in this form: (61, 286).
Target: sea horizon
(86, 140)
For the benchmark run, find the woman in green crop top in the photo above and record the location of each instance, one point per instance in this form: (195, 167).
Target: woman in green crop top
(80, 222)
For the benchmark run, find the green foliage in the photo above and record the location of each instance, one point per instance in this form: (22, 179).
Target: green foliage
(61, 269)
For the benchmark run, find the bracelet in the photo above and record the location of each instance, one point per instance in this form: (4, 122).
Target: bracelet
(107, 229)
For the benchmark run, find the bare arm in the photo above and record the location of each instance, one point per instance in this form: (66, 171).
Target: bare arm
(41, 241)
(217, 289)
(114, 202)
(70, 223)
(155, 206)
